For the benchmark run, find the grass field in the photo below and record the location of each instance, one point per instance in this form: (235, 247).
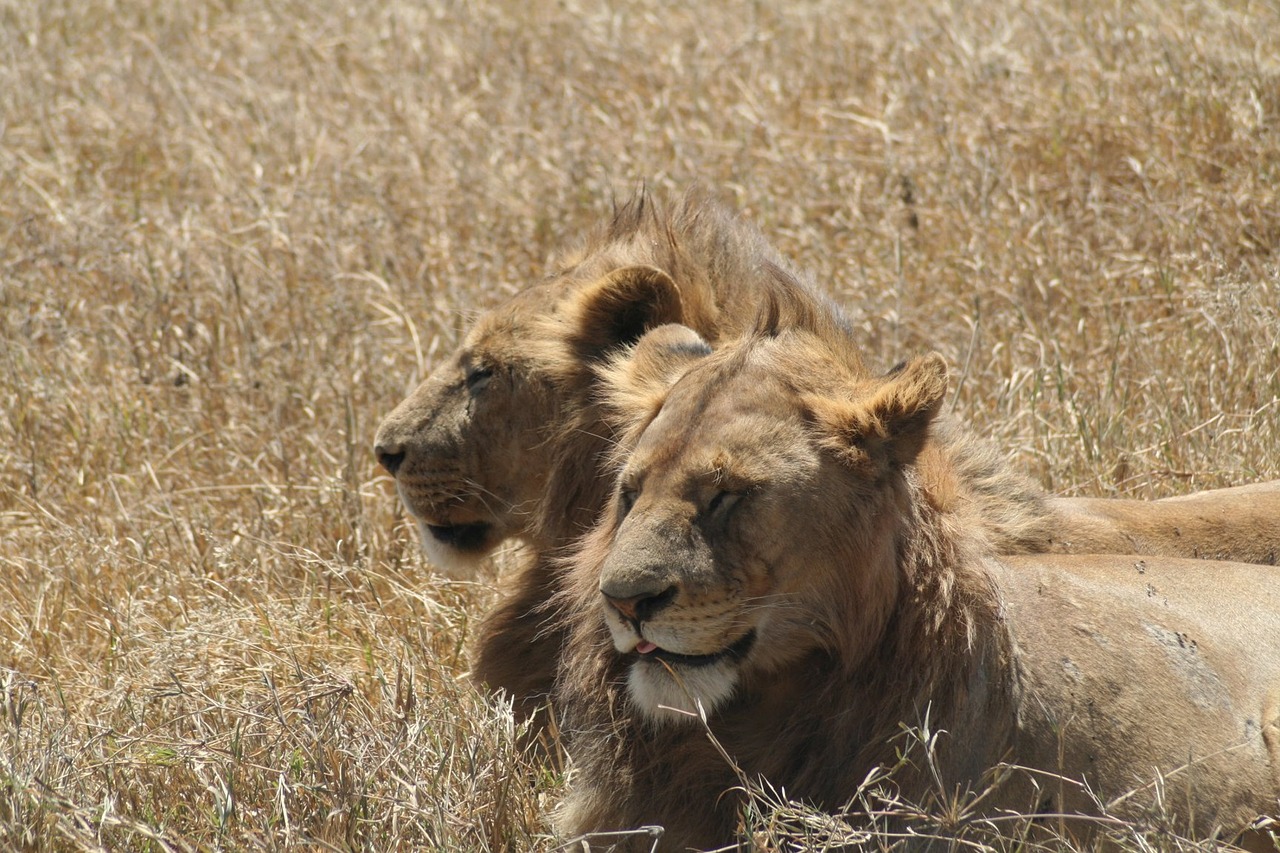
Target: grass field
(234, 233)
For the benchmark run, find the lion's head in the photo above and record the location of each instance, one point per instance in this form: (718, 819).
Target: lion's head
(476, 445)
(698, 590)
(755, 562)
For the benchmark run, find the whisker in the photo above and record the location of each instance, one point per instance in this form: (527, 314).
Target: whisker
(482, 494)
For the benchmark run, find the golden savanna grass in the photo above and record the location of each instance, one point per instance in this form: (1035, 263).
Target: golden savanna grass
(234, 234)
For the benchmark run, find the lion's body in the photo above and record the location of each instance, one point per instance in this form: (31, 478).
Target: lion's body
(506, 438)
(783, 550)
(1201, 701)
(1241, 523)
(1131, 666)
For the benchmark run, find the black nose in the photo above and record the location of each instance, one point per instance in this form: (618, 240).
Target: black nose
(639, 608)
(389, 457)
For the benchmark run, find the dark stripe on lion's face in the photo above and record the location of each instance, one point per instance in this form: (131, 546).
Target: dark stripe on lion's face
(463, 537)
(732, 654)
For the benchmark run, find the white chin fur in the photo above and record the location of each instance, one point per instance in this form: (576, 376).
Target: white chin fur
(654, 691)
(449, 561)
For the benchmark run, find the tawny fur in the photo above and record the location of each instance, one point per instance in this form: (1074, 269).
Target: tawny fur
(533, 442)
(893, 611)
(520, 453)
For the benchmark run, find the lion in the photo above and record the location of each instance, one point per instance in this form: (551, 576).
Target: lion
(784, 556)
(506, 439)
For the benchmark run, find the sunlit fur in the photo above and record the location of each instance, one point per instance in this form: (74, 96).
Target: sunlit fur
(874, 603)
(523, 454)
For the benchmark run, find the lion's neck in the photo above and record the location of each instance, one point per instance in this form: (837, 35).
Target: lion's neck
(946, 656)
(579, 482)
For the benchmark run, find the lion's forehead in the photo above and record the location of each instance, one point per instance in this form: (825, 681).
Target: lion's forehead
(739, 431)
(496, 337)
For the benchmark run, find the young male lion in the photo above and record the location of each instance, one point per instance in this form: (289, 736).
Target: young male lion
(784, 551)
(506, 440)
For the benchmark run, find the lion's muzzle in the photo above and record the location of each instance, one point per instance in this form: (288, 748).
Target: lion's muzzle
(389, 456)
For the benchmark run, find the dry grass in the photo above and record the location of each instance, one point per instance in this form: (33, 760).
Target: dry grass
(234, 233)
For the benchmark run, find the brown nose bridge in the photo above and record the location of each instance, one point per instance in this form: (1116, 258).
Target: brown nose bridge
(390, 444)
(634, 581)
(405, 428)
(640, 580)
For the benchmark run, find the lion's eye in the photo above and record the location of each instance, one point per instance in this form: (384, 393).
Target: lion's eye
(723, 502)
(626, 500)
(478, 377)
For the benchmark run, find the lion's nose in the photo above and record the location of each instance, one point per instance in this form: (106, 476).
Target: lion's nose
(639, 608)
(390, 456)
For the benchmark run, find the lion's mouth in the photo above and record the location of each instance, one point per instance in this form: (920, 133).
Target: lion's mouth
(463, 537)
(737, 651)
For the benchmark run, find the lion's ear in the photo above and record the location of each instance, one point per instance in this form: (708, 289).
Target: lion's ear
(622, 306)
(664, 353)
(635, 380)
(892, 422)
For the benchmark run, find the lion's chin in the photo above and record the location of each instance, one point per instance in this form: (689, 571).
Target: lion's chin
(667, 687)
(457, 550)
(672, 696)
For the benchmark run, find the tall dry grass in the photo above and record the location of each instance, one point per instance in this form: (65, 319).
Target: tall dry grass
(234, 233)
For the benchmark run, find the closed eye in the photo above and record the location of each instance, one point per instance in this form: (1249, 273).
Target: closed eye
(626, 500)
(723, 503)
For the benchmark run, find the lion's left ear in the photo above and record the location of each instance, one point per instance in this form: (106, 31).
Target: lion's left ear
(893, 421)
(622, 306)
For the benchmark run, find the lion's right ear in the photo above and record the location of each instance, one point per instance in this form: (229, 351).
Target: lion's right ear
(891, 422)
(622, 306)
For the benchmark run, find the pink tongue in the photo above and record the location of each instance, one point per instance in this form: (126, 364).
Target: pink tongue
(644, 647)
